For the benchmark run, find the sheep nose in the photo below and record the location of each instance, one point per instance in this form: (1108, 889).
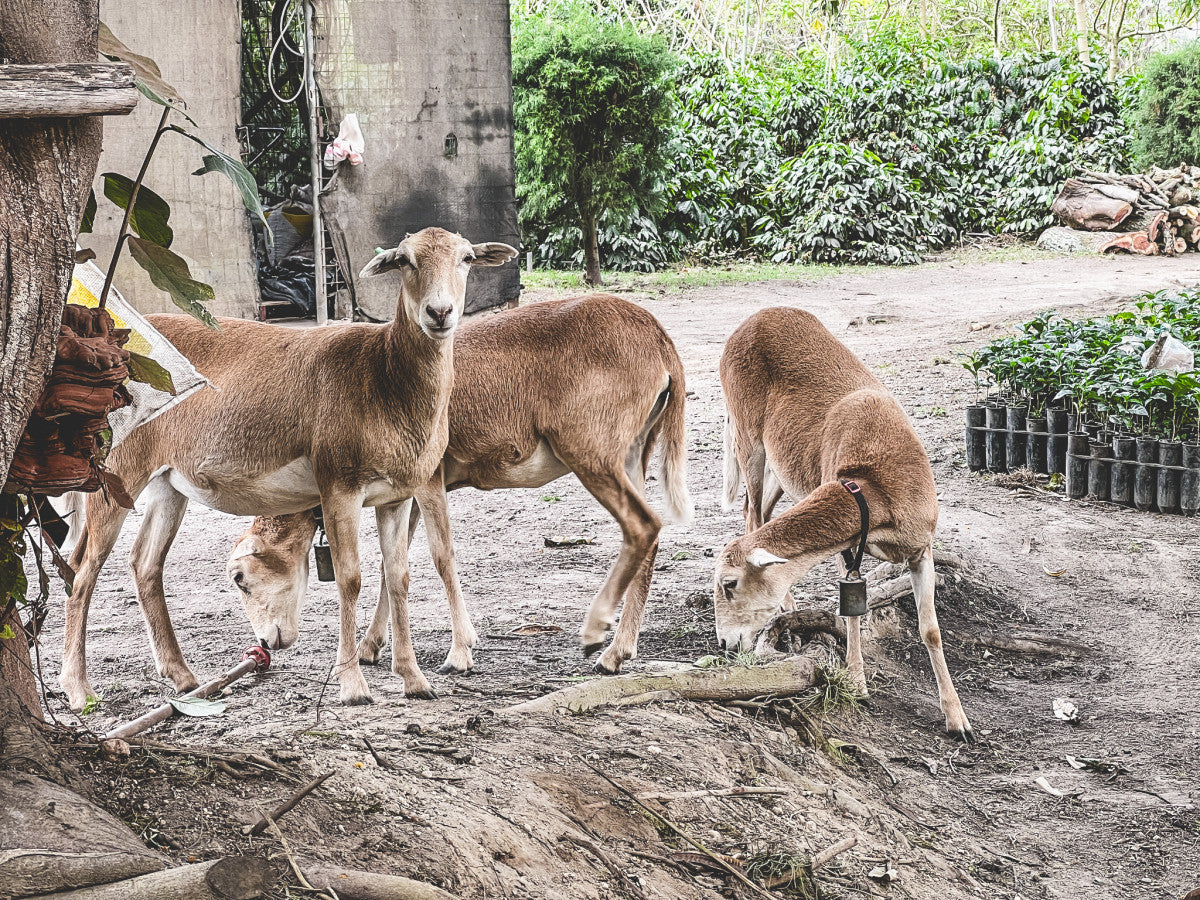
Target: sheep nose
(440, 316)
(722, 643)
(262, 642)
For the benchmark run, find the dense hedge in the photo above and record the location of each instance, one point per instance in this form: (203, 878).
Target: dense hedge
(901, 154)
(1167, 113)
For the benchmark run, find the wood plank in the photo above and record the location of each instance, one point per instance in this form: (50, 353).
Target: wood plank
(65, 90)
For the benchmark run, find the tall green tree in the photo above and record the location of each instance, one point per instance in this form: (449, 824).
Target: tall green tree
(592, 108)
(1167, 114)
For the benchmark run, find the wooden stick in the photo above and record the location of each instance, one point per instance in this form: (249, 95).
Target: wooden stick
(286, 806)
(740, 876)
(161, 714)
(829, 853)
(65, 90)
(668, 796)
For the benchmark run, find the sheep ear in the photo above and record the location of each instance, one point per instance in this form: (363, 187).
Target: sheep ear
(396, 258)
(760, 558)
(492, 254)
(248, 546)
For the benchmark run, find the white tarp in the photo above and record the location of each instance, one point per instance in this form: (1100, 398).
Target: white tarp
(86, 285)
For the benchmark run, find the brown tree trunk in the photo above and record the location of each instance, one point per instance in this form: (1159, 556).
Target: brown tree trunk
(46, 170)
(591, 251)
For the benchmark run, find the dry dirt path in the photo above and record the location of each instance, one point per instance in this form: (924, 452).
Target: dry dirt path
(953, 821)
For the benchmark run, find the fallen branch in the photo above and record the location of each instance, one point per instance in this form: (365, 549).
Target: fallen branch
(716, 857)
(668, 796)
(351, 884)
(1028, 643)
(284, 808)
(793, 675)
(231, 878)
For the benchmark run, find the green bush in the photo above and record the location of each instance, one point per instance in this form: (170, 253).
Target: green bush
(1167, 113)
(592, 111)
(901, 154)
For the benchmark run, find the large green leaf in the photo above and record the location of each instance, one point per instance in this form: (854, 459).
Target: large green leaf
(150, 211)
(144, 369)
(146, 69)
(170, 273)
(219, 161)
(89, 214)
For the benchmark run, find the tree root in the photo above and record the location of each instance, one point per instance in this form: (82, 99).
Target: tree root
(792, 675)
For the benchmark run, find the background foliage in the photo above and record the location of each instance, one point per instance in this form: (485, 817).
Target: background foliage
(1168, 109)
(847, 131)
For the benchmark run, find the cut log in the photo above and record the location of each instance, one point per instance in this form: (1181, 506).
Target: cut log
(350, 884)
(1137, 242)
(231, 878)
(1060, 239)
(1125, 194)
(1081, 205)
(793, 675)
(66, 90)
(53, 840)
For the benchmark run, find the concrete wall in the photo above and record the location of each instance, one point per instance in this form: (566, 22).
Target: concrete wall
(419, 74)
(196, 44)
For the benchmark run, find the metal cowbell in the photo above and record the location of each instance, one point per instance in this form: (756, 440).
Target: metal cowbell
(324, 556)
(852, 596)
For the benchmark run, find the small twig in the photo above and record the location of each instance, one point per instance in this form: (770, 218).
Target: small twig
(287, 850)
(823, 858)
(284, 808)
(380, 760)
(758, 889)
(667, 796)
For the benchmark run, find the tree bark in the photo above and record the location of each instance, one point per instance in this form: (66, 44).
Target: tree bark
(16, 667)
(591, 251)
(53, 840)
(46, 171)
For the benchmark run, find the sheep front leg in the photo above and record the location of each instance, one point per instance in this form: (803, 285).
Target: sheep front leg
(393, 521)
(341, 512)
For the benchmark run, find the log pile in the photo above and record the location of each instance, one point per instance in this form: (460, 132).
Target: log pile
(1158, 212)
(63, 445)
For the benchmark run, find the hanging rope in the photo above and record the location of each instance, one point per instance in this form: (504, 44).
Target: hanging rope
(291, 9)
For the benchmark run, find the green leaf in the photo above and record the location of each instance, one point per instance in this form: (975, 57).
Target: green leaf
(197, 706)
(89, 214)
(144, 369)
(150, 211)
(149, 78)
(219, 161)
(170, 273)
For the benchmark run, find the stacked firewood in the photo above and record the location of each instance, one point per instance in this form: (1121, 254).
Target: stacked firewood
(1157, 211)
(63, 446)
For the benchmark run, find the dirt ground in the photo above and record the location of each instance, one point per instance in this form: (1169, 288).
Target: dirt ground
(488, 806)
